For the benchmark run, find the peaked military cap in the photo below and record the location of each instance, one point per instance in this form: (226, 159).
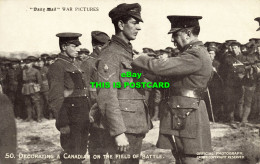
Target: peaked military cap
(44, 56)
(69, 37)
(30, 59)
(147, 50)
(235, 43)
(84, 50)
(228, 42)
(124, 9)
(255, 40)
(99, 37)
(212, 46)
(258, 20)
(179, 22)
(170, 49)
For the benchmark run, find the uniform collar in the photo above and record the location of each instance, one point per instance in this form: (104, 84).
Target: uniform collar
(195, 42)
(127, 46)
(64, 57)
(94, 54)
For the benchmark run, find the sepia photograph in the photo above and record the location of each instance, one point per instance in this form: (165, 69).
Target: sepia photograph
(130, 82)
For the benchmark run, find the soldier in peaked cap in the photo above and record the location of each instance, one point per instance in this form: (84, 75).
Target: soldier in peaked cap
(82, 55)
(68, 97)
(148, 50)
(216, 83)
(258, 20)
(123, 110)
(14, 81)
(99, 39)
(184, 123)
(31, 88)
(44, 58)
(228, 42)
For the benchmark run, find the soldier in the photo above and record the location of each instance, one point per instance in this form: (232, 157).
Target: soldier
(44, 58)
(68, 95)
(148, 50)
(47, 111)
(12, 79)
(31, 89)
(184, 123)
(233, 91)
(256, 107)
(83, 54)
(99, 40)
(216, 83)
(123, 111)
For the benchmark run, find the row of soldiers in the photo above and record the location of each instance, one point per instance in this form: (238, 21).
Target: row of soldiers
(234, 87)
(123, 117)
(25, 83)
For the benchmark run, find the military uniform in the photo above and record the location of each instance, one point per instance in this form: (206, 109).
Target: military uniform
(234, 90)
(216, 84)
(47, 111)
(184, 114)
(31, 90)
(14, 80)
(68, 95)
(123, 110)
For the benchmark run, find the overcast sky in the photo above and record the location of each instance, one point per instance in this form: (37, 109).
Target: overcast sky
(23, 29)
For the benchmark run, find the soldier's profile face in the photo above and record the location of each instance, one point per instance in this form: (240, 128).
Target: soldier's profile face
(131, 28)
(178, 38)
(212, 54)
(72, 50)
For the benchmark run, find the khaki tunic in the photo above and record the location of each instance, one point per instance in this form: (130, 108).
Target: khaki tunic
(190, 70)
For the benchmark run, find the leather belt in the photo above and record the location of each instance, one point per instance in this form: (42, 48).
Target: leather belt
(192, 93)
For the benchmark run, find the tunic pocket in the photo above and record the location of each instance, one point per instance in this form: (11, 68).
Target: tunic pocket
(126, 68)
(127, 106)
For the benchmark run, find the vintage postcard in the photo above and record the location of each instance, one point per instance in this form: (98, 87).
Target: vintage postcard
(30, 28)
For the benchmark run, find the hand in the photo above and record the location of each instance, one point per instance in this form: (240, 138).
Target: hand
(93, 111)
(122, 142)
(65, 130)
(67, 92)
(164, 57)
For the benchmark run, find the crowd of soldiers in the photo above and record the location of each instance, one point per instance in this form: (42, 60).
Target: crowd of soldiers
(234, 88)
(115, 120)
(25, 82)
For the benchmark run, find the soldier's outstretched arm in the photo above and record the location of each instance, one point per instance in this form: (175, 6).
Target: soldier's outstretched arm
(188, 62)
